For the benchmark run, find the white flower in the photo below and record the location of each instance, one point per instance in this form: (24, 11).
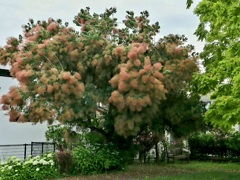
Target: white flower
(18, 164)
(37, 169)
(36, 158)
(49, 155)
(42, 161)
(35, 162)
(10, 167)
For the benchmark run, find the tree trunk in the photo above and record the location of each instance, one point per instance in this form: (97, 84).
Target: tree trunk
(145, 157)
(157, 153)
(140, 156)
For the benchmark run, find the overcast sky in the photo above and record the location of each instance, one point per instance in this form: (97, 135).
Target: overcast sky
(172, 15)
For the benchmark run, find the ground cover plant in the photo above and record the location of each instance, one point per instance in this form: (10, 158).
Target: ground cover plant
(41, 168)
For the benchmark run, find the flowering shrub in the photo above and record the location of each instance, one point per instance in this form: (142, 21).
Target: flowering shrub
(35, 168)
(144, 142)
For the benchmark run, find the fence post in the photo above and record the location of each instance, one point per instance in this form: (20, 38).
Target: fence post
(31, 148)
(42, 147)
(25, 151)
(54, 147)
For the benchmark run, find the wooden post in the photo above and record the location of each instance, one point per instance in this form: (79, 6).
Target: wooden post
(42, 147)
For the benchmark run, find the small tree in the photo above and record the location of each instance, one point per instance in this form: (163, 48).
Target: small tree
(62, 136)
(145, 142)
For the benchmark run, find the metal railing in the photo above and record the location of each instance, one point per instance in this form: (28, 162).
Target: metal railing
(22, 151)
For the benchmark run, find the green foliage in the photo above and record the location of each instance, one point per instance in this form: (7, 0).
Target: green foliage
(92, 159)
(36, 168)
(233, 144)
(216, 144)
(62, 136)
(126, 148)
(56, 134)
(189, 3)
(219, 28)
(183, 114)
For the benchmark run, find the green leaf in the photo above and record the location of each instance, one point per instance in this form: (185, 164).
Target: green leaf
(189, 3)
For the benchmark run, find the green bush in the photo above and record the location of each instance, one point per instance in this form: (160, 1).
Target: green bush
(233, 144)
(93, 159)
(216, 144)
(37, 168)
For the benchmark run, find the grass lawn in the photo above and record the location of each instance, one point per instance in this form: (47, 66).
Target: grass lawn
(193, 170)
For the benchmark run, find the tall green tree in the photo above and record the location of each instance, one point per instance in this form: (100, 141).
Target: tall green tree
(66, 76)
(220, 28)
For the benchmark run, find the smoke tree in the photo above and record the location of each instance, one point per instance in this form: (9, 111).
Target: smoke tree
(67, 76)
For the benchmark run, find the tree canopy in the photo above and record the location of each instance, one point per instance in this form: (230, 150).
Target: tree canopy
(219, 28)
(66, 76)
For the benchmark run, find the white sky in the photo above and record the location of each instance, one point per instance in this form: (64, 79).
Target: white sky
(172, 15)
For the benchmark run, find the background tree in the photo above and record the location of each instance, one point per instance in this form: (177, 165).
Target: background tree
(219, 28)
(182, 109)
(65, 75)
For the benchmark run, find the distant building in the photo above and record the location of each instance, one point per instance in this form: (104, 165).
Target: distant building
(206, 99)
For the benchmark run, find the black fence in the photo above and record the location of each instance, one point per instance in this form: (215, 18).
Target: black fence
(22, 151)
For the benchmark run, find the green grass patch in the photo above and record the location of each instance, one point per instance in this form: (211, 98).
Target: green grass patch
(193, 170)
(200, 176)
